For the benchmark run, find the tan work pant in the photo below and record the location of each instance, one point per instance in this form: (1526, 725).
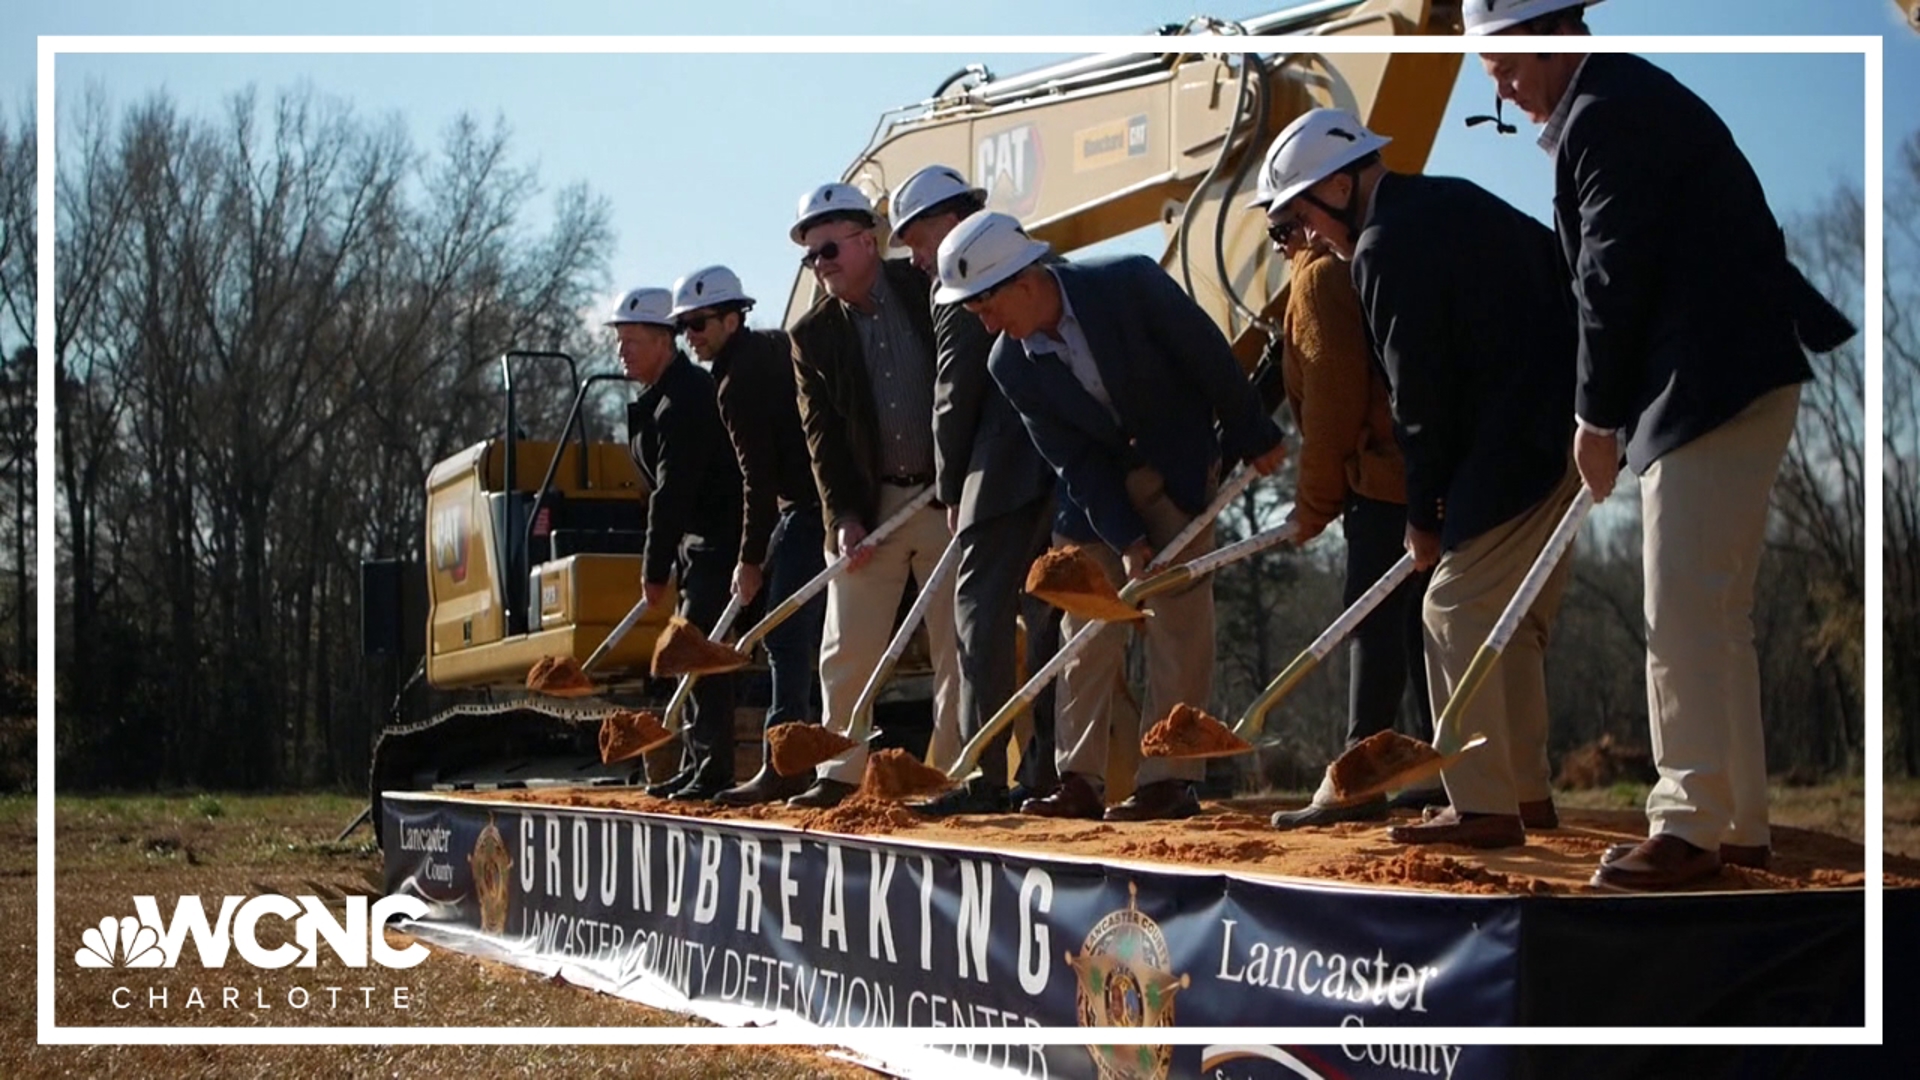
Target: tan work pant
(860, 608)
(1472, 585)
(1179, 633)
(1704, 512)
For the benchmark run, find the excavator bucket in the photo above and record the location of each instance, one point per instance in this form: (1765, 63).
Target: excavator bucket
(1069, 579)
(797, 748)
(559, 676)
(627, 734)
(684, 650)
(1189, 733)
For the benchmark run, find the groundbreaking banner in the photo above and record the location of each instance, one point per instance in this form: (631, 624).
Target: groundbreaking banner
(749, 923)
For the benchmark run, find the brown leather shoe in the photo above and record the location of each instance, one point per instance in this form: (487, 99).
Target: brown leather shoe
(1162, 800)
(765, 787)
(1074, 798)
(1659, 862)
(1449, 826)
(1539, 815)
(1755, 857)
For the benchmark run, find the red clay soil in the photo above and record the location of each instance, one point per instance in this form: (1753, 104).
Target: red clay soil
(796, 748)
(626, 734)
(558, 675)
(1069, 579)
(1234, 836)
(1374, 759)
(683, 650)
(1189, 731)
(896, 774)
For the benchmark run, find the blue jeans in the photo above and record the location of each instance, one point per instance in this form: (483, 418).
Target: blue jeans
(797, 556)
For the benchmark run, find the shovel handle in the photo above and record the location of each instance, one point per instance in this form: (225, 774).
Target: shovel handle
(1232, 553)
(861, 724)
(619, 632)
(1229, 491)
(678, 702)
(1255, 719)
(787, 608)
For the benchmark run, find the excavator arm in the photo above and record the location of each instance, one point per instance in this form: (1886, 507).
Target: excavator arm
(1101, 146)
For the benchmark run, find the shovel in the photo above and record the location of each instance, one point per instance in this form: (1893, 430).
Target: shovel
(670, 722)
(1254, 721)
(1090, 595)
(860, 725)
(1134, 593)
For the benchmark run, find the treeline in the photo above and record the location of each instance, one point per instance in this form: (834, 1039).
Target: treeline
(270, 324)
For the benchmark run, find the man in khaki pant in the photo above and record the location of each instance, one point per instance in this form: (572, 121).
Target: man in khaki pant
(1692, 325)
(1476, 337)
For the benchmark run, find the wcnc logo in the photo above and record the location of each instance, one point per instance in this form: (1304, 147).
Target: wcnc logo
(149, 941)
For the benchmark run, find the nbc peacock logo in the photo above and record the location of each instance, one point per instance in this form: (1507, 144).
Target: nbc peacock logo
(125, 942)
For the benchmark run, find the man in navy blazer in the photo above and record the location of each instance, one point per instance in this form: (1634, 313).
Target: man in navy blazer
(1693, 327)
(1119, 377)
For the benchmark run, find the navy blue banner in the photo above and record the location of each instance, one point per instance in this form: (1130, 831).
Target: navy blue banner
(744, 922)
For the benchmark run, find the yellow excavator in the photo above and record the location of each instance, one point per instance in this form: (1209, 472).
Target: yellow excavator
(533, 544)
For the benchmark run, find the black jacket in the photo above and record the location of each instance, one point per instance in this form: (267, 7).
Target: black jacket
(754, 376)
(1474, 327)
(681, 447)
(1688, 307)
(836, 397)
(984, 460)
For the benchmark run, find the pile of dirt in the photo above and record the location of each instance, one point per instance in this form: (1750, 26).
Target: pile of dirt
(1604, 763)
(861, 815)
(1188, 852)
(1373, 760)
(1190, 732)
(559, 676)
(896, 774)
(796, 748)
(626, 734)
(1416, 866)
(682, 649)
(1070, 579)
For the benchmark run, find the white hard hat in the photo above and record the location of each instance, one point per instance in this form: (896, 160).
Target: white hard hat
(1316, 145)
(981, 252)
(1492, 16)
(834, 198)
(649, 307)
(707, 287)
(925, 190)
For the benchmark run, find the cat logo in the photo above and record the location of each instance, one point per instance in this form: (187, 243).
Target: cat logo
(1123, 978)
(1009, 164)
(449, 540)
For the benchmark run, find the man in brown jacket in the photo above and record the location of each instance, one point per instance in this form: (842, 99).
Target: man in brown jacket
(863, 357)
(1351, 469)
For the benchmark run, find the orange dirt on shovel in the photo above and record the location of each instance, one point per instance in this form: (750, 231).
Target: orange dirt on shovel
(1187, 732)
(1376, 760)
(896, 774)
(559, 676)
(795, 748)
(1070, 579)
(684, 650)
(626, 734)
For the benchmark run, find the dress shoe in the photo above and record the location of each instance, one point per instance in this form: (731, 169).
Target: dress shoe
(765, 787)
(1658, 862)
(1449, 826)
(825, 794)
(1419, 799)
(702, 789)
(1756, 857)
(975, 798)
(1162, 800)
(1539, 815)
(1322, 814)
(1074, 798)
(665, 788)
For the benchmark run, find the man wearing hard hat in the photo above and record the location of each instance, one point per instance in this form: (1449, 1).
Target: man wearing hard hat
(863, 356)
(693, 515)
(781, 541)
(1692, 324)
(1476, 338)
(1119, 377)
(997, 489)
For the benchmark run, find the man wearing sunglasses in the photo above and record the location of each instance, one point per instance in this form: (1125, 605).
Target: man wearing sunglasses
(863, 358)
(1475, 333)
(693, 515)
(1119, 378)
(1693, 331)
(1350, 469)
(781, 541)
(997, 489)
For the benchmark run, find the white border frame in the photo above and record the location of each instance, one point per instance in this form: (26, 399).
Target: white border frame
(1869, 48)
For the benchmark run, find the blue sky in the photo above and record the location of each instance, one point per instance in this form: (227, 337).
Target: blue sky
(703, 157)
